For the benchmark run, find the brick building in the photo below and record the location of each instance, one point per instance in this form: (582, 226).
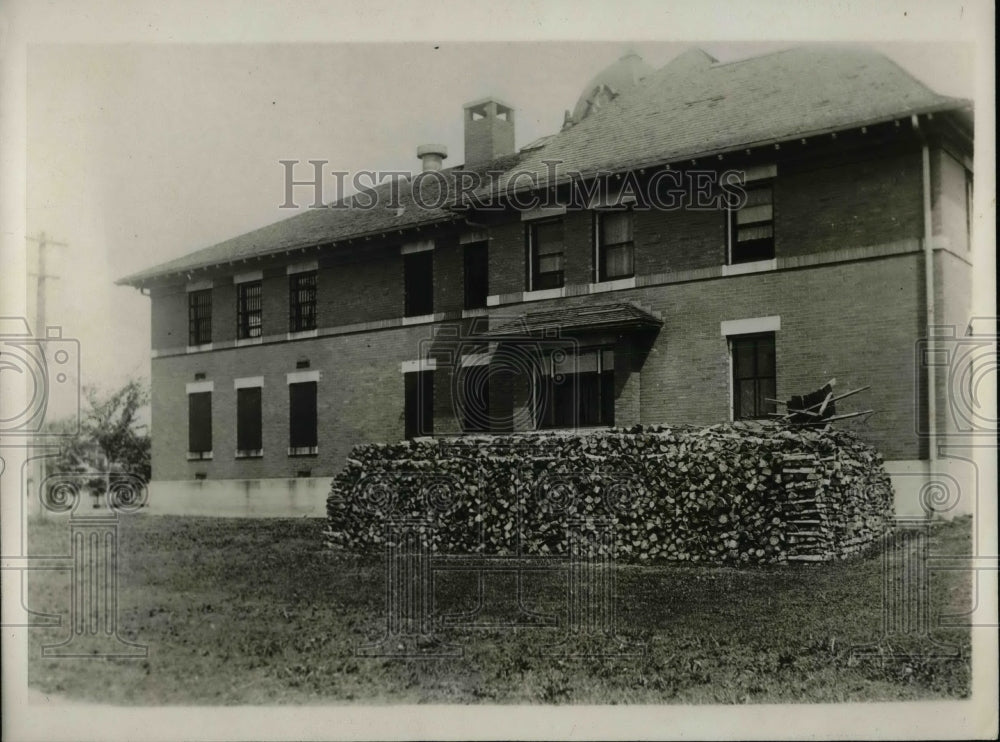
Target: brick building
(494, 296)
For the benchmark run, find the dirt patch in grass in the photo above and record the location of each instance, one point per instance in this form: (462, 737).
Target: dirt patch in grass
(257, 611)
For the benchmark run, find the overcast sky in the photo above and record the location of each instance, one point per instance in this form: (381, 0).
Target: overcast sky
(141, 153)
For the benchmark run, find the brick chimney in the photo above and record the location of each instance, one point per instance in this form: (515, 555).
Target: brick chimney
(489, 131)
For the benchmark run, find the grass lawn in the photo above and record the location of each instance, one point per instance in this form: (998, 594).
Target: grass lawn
(258, 611)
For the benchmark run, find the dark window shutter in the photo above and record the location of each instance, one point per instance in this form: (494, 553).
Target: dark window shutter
(248, 419)
(302, 415)
(200, 422)
(418, 283)
(477, 275)
(418, 403)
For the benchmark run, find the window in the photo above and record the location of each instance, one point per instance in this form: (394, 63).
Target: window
(248, 310)
(200, 317)
(302, 419)
(751, 228)
(475, 401)
(249, 442)
(545, 255)
(614, 245)
(418, 403)
(302, 301)
(753, 376)
(200, 425)
(578, 391)
(418, 283)
(477, 275)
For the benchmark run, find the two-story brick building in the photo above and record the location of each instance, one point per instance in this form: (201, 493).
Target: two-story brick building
(605, 275)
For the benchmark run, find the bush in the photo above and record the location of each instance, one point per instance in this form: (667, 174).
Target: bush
(736, 493)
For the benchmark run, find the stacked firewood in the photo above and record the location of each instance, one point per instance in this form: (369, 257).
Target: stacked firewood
(736, 494)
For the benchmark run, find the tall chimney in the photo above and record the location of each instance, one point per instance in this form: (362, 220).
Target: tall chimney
(489, 131)
(432, 155)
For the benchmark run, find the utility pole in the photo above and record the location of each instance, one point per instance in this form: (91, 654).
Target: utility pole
(41, 276)
(38, 452)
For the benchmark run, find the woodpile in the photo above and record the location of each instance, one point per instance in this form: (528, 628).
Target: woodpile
(738, 493)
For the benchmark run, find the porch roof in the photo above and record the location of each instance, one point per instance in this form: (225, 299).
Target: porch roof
(576, 320)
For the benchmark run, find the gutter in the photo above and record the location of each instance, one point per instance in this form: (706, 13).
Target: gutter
(929, 294)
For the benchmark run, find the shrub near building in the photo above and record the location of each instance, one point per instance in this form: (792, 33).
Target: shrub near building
(734, 493)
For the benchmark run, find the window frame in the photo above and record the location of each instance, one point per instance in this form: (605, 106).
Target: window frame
(418, 403)
(418, 301)
(244, 451)
(245, 312)
(601, 247)
(481, 249)
(549, 416)
(757, 378)
(299, 320)
(309, 444)
(198, 435)
(197, 319)
(732, 225)
(534, 258)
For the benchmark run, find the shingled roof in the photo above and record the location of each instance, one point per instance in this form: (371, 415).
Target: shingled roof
(691, 107)
(572, 320)
(312, 227)
(695, 106)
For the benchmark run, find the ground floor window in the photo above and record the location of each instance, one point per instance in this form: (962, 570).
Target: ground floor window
(200, 425)
(753, 375)
(474, 403)
(418, 403)
(302, 419)
(577, 390)
(249, 441)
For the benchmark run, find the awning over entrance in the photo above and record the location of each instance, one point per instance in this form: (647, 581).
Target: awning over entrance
(619, 317)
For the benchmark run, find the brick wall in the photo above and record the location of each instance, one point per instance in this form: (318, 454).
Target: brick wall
(360, 399)
(861, 199)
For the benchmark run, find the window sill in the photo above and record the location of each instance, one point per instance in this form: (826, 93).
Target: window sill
(249, 341)
(199, 455)
(756, 266)
(612, 285)
(250, 453)
(540, 294)
(302, 334)
(419, 319)
(303, 450)
(199, 348)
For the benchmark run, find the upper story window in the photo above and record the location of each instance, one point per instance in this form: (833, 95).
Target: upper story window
(418, 283)
(200, 317)
(302, 301)
(751, 227)
(477, 274)
(753, 375)
(615, 247)
(248, 310)
(545, 254)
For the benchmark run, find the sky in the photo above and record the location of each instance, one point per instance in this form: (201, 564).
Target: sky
(140, 153)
